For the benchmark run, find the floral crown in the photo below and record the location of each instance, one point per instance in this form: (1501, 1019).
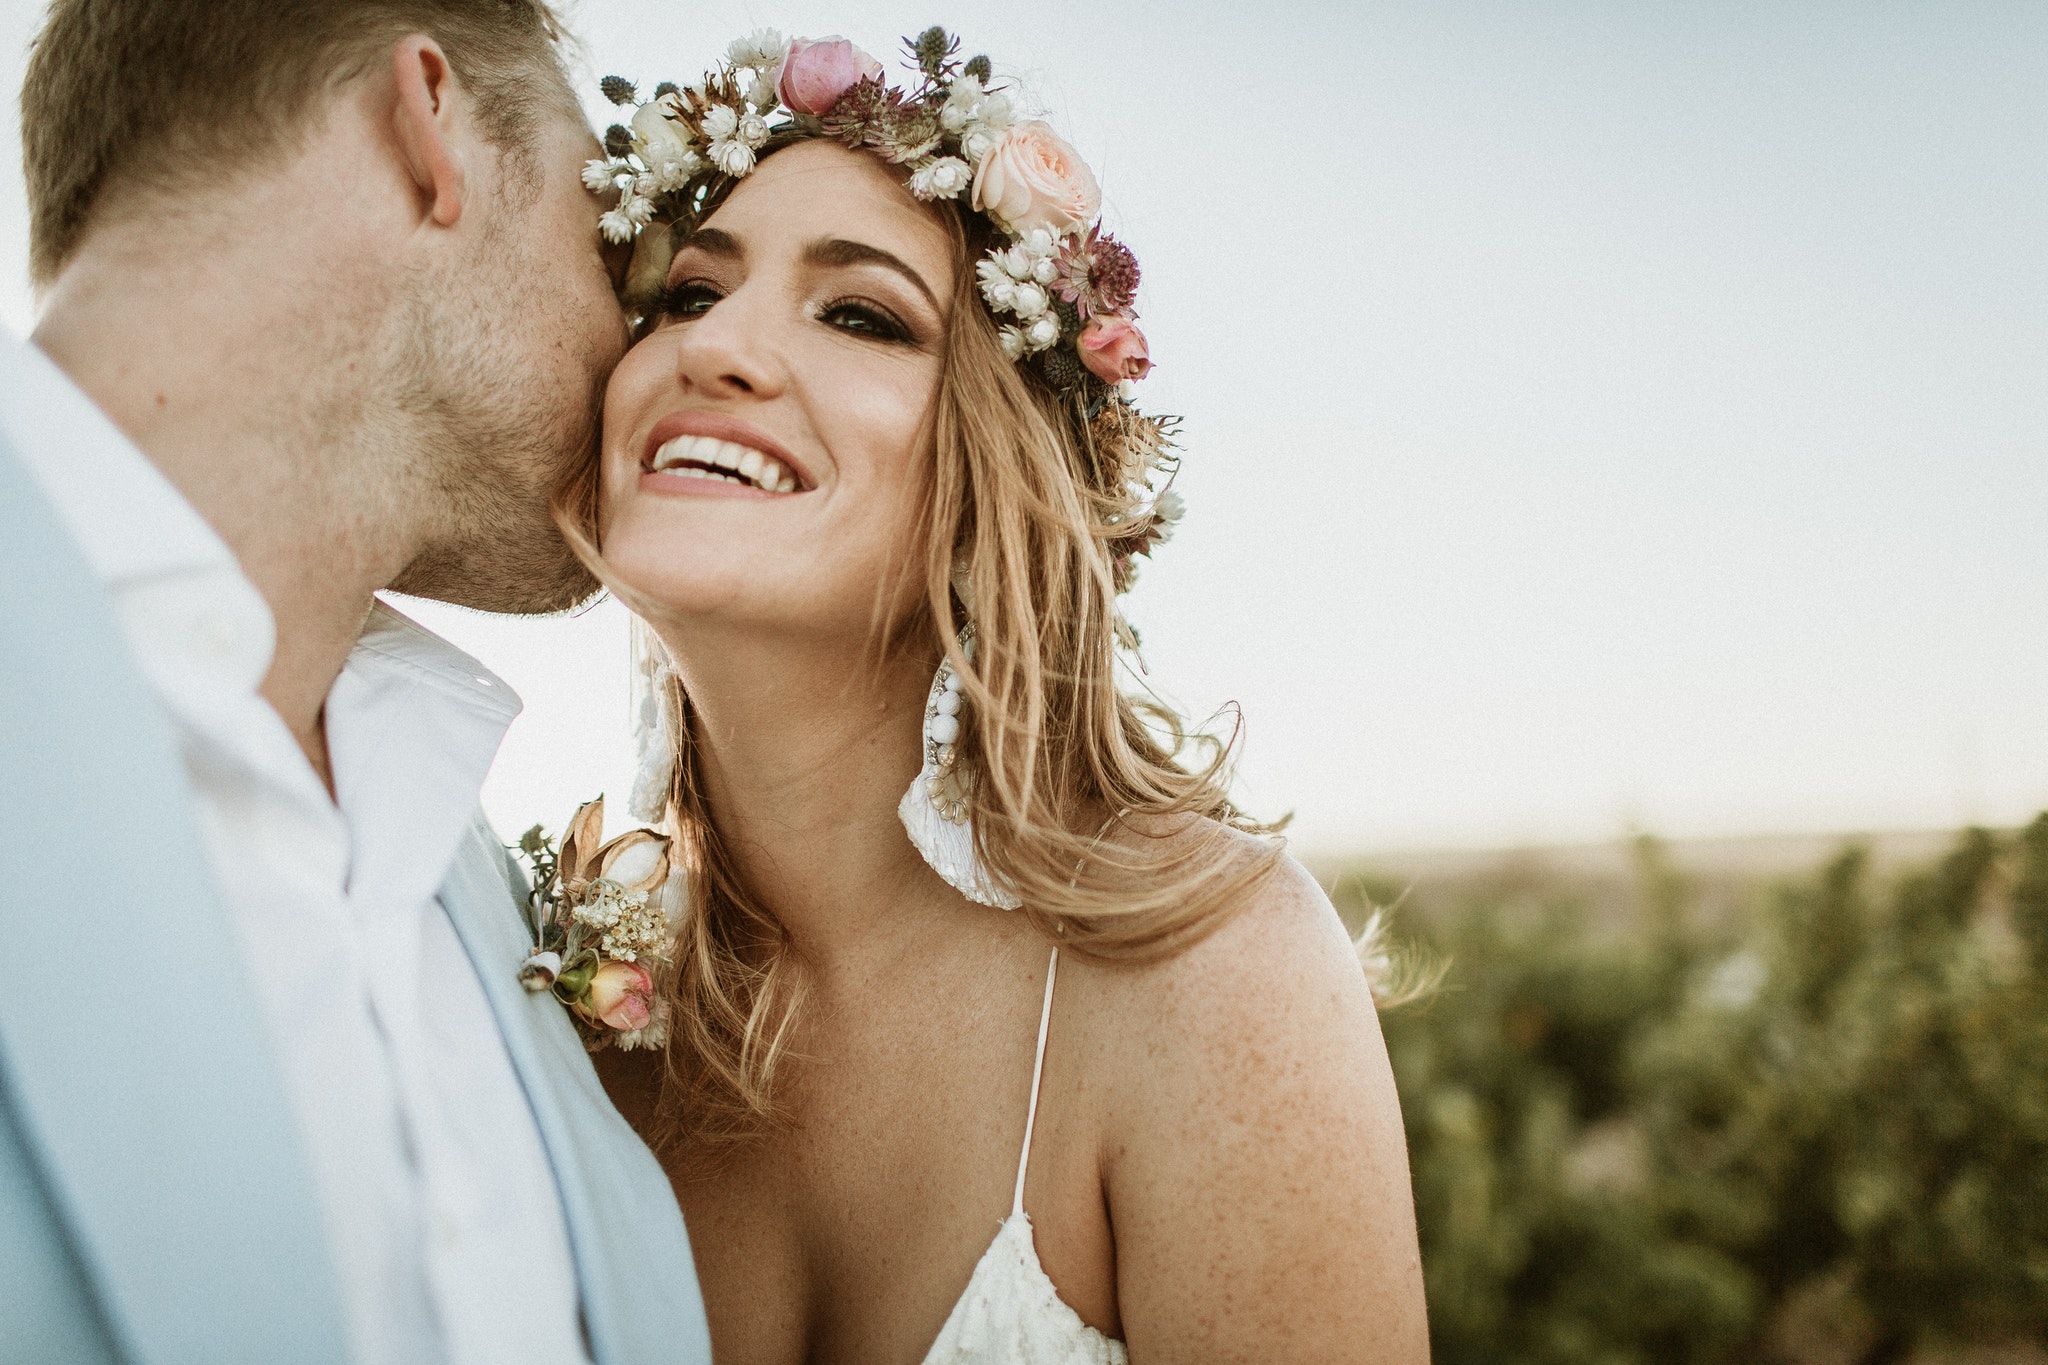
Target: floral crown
(1061, 290)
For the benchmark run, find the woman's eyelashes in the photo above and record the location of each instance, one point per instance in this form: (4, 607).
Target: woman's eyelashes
(685, 299)
(863, 318)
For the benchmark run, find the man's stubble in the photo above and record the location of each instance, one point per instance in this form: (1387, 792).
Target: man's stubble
(501, 414)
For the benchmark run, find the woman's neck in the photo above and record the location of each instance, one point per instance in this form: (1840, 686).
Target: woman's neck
(806, 748)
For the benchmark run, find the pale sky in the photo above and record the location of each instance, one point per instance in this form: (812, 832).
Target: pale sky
(1597, 415)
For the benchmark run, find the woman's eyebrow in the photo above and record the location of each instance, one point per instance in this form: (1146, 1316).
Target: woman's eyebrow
(838, 251)
(714, 242)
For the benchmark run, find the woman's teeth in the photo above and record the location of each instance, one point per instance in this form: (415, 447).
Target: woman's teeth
(703, 457)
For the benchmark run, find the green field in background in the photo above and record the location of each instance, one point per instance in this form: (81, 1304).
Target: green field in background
(1663, 1120)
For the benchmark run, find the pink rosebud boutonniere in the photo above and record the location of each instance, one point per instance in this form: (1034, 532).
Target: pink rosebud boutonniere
(602, 935)
(1113, 349)
(817, 71)
(621, 996)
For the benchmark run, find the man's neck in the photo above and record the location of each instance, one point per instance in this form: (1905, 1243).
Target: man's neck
(259, 437)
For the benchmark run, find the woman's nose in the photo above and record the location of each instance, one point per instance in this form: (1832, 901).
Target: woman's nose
(728, 352)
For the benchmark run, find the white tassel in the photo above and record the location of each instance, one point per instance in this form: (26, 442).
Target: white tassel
(949, 848)
(654, 745)
(649, 801)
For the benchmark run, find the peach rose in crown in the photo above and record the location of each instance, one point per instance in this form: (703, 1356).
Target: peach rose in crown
(1033, 179)
(1113, 348)
(817, 71)
(621, 996)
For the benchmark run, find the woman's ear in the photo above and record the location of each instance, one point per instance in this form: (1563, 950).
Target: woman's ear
(426, 120)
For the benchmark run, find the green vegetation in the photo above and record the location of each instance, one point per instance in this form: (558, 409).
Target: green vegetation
(1813, 1129)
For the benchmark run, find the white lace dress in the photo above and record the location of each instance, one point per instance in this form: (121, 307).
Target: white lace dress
(1011, 1314)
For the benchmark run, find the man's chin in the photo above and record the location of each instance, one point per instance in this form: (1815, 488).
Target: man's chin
(535, 583)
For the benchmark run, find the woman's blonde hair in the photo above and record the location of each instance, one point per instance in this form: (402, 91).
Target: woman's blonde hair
(1025, 525)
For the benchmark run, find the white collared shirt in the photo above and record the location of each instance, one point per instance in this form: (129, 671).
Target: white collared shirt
(442, 1214)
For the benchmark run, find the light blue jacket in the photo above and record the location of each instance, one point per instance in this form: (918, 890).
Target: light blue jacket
(154, 1203)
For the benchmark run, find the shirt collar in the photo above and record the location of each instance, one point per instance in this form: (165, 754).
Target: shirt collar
(413, 725)
(125, 515)
(394, 641)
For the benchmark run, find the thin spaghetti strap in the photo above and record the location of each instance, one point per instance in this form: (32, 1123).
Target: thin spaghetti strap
(1052, 972)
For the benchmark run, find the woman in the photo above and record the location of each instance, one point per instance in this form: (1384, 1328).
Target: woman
(961, 938)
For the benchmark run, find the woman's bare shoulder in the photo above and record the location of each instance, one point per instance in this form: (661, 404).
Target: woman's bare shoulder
(1250, 1134)
(1279, 958)
(1268, 1010)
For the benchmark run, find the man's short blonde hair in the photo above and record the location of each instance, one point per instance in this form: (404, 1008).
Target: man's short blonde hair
(129, 96)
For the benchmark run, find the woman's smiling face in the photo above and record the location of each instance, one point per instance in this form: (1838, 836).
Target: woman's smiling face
(765, 446)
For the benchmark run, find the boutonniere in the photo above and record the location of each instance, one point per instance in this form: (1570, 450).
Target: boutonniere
(601, 934)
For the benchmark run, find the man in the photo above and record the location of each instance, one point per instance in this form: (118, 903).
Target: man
(323, 313)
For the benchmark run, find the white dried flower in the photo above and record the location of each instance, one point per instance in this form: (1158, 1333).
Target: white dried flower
(1029, 300)
(647, 186)
(675, 172)
(639, 210)
(539, 971)
(962, 96)
(759, 50)
(734, 158)
(1001, 293)
(946, 178)
(1012, 339)
(965, 91)
(753, 130)
(1042, 332)
(598, 173)
(1046, 271)
(993, 113)
(1019, 262)
(720, 122)
(617, 226)
(976, 145)
(1040, 242)
(762, 93)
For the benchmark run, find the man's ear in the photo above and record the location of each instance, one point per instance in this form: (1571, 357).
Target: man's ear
(427, 123)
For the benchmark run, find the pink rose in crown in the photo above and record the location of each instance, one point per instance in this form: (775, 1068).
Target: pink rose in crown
(817, 71)
(1113, 348)
(1033, 179)
(621, 996)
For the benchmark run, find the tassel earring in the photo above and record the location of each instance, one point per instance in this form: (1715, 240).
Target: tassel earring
(935, 809)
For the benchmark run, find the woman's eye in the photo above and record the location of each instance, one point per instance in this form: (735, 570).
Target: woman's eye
(863, 319)
(689, 299)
